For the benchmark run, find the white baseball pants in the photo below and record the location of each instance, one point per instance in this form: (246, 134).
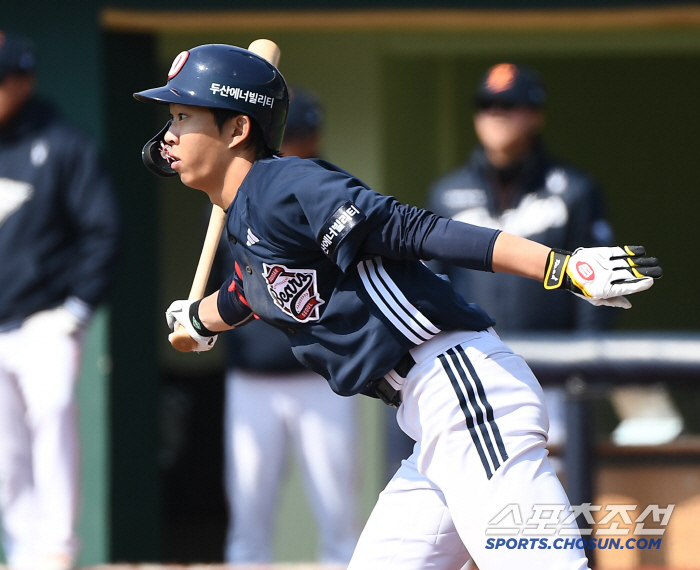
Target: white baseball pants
(39, 450)
(265, 414)
(478, 416)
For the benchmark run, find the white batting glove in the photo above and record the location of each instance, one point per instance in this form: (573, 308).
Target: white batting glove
(602, 275)
(186, 314)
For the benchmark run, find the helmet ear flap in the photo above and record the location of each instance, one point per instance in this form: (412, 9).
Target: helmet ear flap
(155, 154)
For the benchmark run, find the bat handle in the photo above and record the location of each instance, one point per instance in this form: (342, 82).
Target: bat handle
(179, 339)
(182, 341)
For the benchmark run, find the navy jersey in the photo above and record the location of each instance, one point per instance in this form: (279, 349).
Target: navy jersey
(337, 267)
(59, 225)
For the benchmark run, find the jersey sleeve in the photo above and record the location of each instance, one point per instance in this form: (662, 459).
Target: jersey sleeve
(92, 209)
(348, 219)
(340, 210)
(414, 233)
(231, 303)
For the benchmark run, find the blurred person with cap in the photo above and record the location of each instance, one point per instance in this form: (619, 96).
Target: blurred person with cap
(512, 183)
(273, 402)
(58, 245)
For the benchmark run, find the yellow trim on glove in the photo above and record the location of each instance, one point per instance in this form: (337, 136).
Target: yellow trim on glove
(631, 263)
(556, 262)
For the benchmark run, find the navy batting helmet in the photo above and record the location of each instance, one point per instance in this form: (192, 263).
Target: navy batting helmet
(223, 77)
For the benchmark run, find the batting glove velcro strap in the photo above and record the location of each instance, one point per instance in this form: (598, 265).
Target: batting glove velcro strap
(555, 271)
(186, 313)
(602, 275)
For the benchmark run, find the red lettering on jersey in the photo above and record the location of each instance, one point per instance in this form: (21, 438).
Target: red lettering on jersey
(273, 274)
(294, 291)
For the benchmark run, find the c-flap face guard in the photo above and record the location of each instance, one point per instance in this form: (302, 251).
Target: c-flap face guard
(155, 154)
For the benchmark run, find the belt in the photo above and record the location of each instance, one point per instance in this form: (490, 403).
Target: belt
(386, 392)
(404, 365)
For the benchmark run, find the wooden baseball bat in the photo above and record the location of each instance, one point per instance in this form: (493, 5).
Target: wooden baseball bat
(180, 339)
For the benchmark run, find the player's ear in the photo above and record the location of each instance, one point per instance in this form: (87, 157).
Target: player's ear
(240, 130)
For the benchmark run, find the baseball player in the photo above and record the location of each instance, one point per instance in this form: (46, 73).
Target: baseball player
(337, 267)
(58, 244)
(272, 403)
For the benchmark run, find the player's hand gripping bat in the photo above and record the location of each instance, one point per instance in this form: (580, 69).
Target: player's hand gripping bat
(179, 338)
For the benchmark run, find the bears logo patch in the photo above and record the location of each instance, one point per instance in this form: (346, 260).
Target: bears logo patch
(294, 291)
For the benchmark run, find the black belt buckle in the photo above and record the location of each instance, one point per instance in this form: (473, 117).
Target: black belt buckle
(387, 393)
(403, 366)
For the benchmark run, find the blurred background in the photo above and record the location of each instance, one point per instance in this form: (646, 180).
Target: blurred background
(396, 79)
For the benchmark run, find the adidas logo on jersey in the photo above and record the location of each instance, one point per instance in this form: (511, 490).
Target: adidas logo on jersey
(252, 239)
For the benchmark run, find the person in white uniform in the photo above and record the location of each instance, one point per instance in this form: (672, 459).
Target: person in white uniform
(58, 244)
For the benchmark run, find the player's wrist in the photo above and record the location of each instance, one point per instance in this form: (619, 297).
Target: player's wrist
(197, 322)
(555, 276)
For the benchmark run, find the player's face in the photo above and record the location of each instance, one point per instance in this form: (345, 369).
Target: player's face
(508, 131)
(14, 91)
(200, 153)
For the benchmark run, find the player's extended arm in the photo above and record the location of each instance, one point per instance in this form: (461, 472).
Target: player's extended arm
(600, 275)
(519, 256)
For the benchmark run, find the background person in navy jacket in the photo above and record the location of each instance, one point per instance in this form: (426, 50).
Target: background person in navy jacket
(58, 244)
(511, 182)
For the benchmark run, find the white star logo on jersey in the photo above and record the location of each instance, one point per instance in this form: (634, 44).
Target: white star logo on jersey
(13, 194)
(252, 239)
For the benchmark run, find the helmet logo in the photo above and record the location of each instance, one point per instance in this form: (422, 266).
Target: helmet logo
(501, 77)
(178, 62)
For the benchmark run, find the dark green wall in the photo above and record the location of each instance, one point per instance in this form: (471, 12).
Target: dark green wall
(134, 396)
(67, 37)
